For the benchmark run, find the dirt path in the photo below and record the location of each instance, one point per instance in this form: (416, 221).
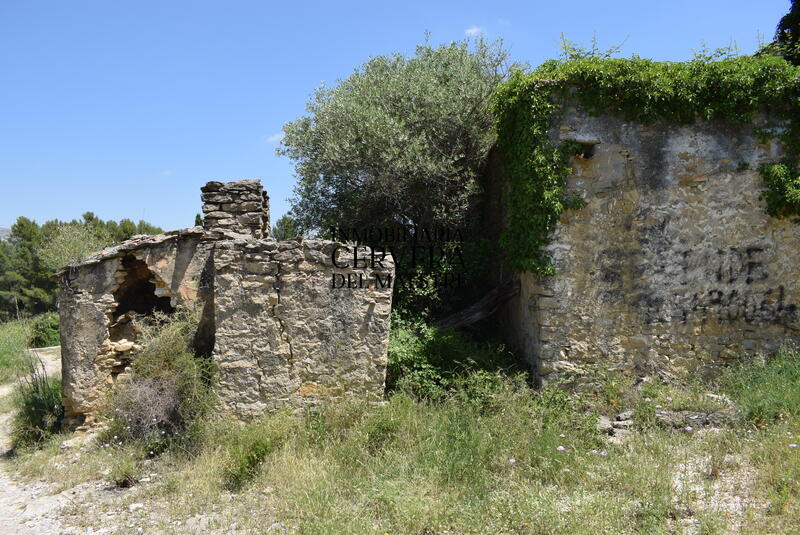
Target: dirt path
(27, 509)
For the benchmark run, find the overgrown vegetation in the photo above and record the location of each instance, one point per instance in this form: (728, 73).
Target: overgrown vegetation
(43, 330)
(509, 459)
(710, 86)
(70, 243)
(427, 362)
(14, 358)
(19, 335)
(37, 402)
(162, 403)
(787, 36)
(768, 389)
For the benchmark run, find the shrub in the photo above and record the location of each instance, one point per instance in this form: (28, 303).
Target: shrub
(37, 400)
(167, 394)
(427, 362)
(69, 243)
(125, 470)
(43, 330)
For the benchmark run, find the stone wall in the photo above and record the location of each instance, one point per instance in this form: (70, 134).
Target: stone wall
(284, 333)
(672, 266)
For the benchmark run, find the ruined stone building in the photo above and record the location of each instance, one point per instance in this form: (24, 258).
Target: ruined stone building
(672, 266)
(270, 318)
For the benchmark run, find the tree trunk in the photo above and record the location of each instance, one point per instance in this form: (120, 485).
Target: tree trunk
(484, 308)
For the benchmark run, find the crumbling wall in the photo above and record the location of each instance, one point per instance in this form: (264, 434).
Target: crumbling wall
(286, 329)
(102, 296)
(672, 266)
(287, 322)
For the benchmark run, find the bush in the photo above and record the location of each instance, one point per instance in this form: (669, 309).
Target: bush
(428, 362)
(14, 357)
(37, 400)
(125, 470)
(767, 389)
(167, 394)
(43, 330)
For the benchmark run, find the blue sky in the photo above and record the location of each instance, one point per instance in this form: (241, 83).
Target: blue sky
(126, 108)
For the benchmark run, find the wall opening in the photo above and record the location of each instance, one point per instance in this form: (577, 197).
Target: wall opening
(205, 337)
(587, 149)
(137, 293)
(136, 296)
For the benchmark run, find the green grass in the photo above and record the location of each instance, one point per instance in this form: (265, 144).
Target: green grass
(499, 466)
(767, 389)
(17, 336)
(416, 467)
(14, 358)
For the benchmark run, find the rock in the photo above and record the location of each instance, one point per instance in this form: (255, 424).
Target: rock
(122, 346)
(619, 436)
(604, 425)
(276, 527)
(625, 415)
(722, 417)
(695, 419)
(135, 507)
(197, 523)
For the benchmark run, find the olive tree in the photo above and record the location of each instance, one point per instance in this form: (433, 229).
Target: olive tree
(400, 141)
(71, 242)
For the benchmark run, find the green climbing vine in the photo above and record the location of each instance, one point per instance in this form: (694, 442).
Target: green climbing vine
(708, 87)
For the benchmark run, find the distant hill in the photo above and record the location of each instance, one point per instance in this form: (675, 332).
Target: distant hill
(4, 233)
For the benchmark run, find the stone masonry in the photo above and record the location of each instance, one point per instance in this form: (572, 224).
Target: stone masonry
(241, 206)
(672, 266)
(284, 335)
(270, 317)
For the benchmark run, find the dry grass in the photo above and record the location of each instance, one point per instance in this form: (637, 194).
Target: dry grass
(414, 468)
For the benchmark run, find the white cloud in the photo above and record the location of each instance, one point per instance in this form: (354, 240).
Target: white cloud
(166, 172)
(472, 32)
(275, 138)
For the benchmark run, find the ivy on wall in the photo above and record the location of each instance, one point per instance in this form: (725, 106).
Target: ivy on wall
(640, 90)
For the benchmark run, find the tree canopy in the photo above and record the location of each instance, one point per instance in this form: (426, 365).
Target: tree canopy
(787, 35)
(401, 141)
(31, 253)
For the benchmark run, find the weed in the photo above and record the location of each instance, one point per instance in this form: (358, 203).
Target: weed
(37, 400)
